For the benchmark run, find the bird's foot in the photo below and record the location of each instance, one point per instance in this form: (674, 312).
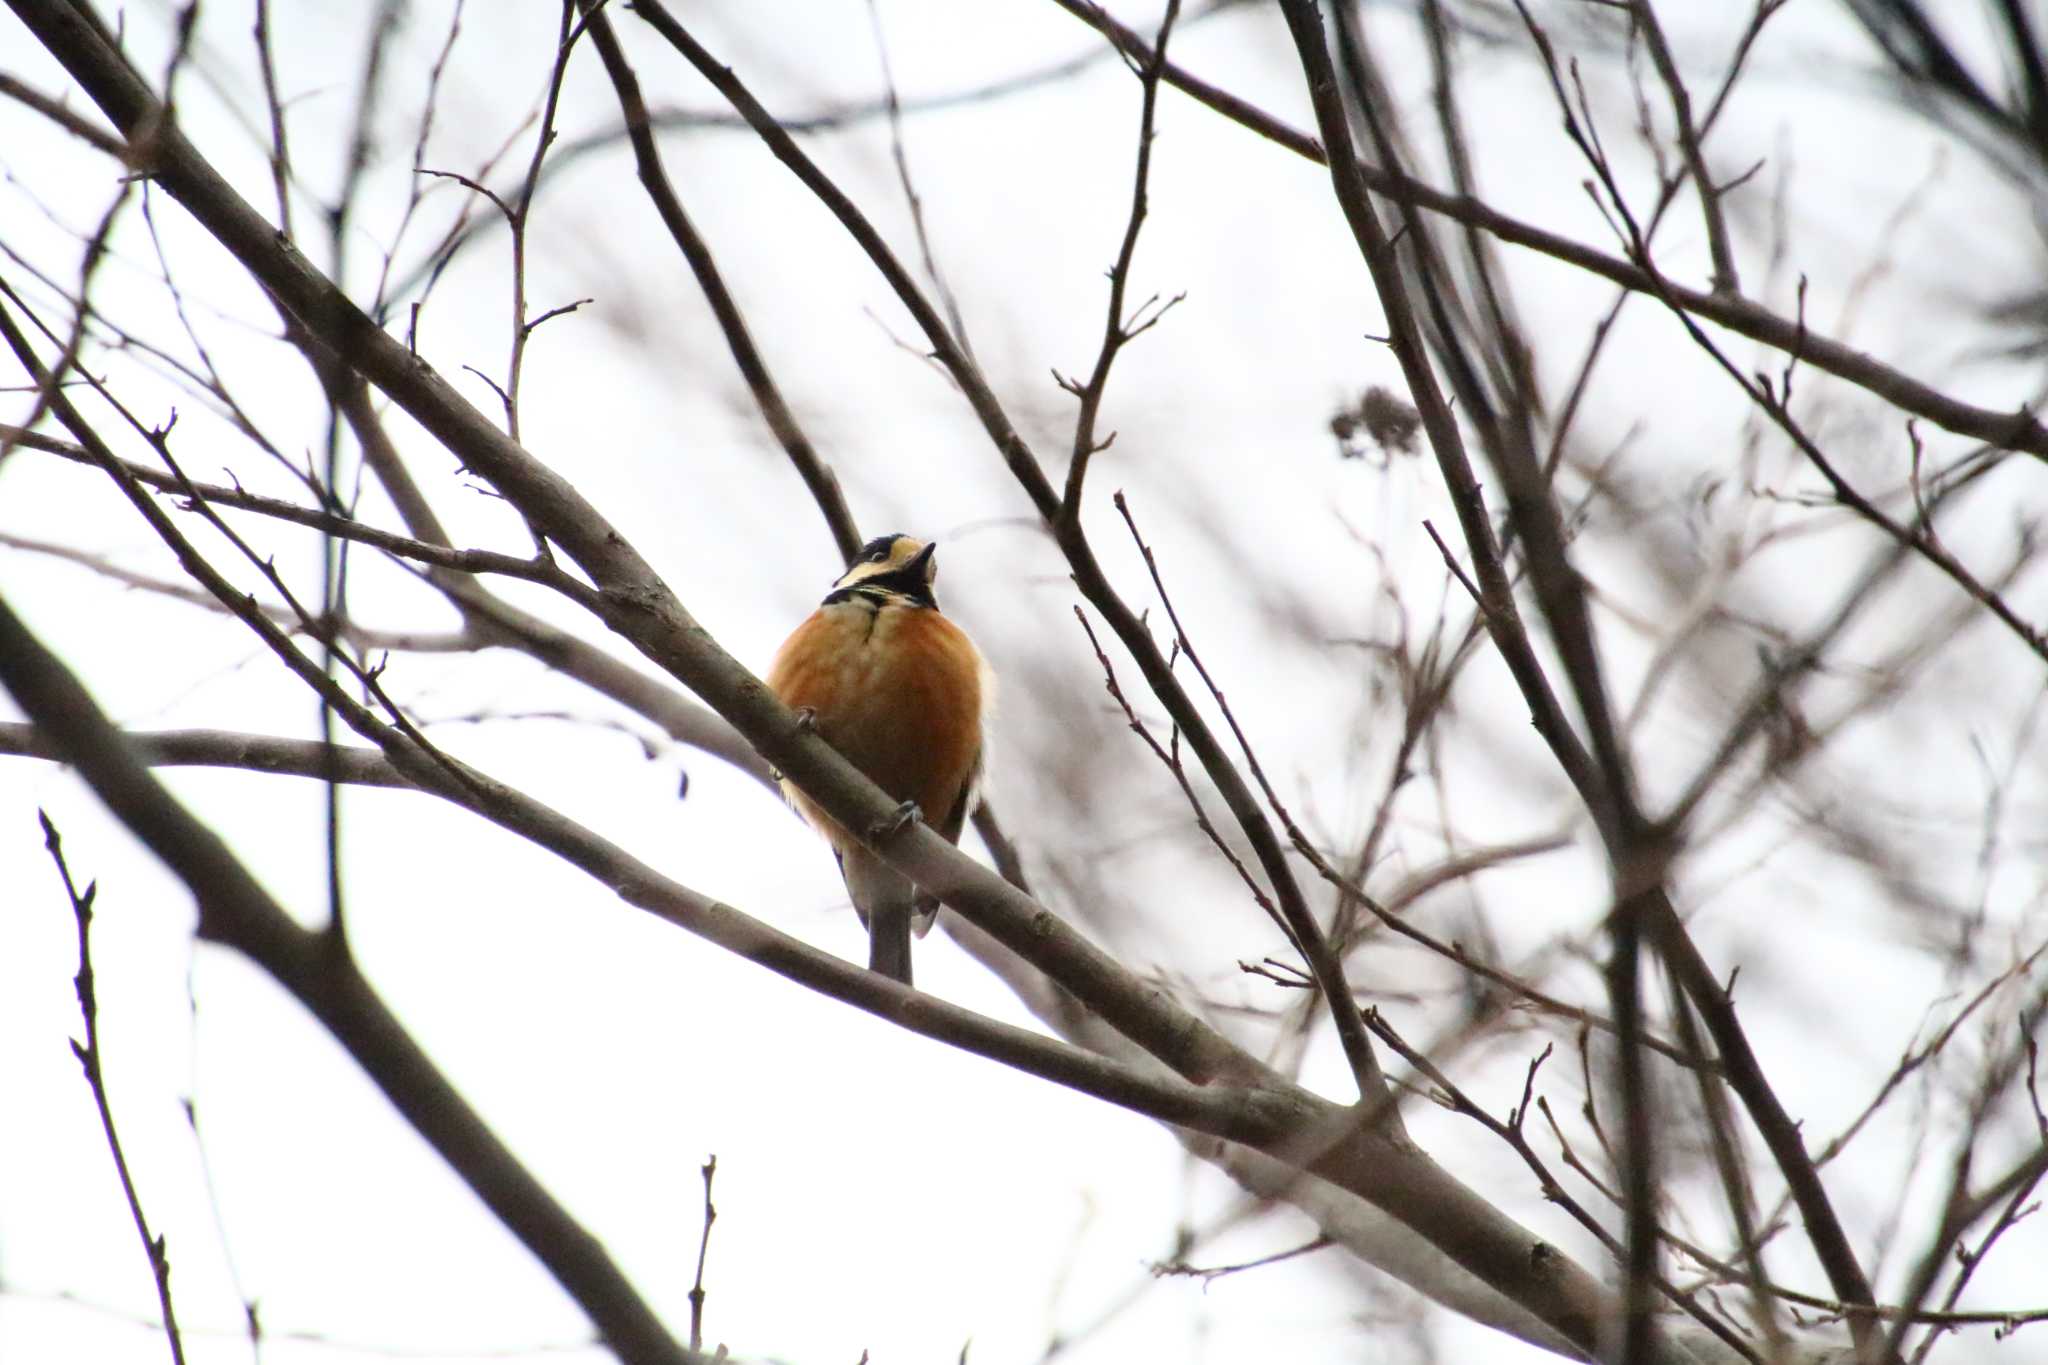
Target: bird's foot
(893, 824)
(807, 720)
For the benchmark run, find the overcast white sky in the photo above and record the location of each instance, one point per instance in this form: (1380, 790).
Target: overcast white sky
(878, 1191)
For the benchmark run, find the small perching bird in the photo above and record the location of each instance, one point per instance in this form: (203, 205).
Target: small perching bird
(900, 692)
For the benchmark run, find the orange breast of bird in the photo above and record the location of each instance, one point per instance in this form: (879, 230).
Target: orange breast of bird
(898, 692)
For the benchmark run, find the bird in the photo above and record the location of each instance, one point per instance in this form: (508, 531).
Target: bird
(901, 692)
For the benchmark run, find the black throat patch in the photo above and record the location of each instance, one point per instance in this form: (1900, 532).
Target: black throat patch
(905, 587)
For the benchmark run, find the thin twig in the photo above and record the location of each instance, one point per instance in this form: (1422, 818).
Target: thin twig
(2017, 430)
(1118, 330)
(1025, 466)
(1689, 138)
(361, 766)
(912, 200)
(332, 523)
(91, 1059)
(280, 143)
(1736, 1188)
(61, 114)
(520, 214)
(234, 909)
(1169, 755)
(709, 1169)
(1211, 1273)
(1510, 1132)
(775, 410)
(1307, 934)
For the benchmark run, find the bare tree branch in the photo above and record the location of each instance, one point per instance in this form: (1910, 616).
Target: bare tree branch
(235, 910)
(2008, 430)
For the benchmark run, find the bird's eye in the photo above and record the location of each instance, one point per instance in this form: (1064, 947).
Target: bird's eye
(878, 555)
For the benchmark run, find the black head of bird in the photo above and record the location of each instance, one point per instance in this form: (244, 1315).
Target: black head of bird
(900, 691)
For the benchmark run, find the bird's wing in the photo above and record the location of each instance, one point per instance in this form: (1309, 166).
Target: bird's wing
(963, 805)
(954, 822)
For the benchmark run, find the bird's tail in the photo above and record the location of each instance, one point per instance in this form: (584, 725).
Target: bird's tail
(889, 942)
(885, 899)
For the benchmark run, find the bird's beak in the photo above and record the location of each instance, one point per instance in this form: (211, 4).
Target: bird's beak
(924, 563)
